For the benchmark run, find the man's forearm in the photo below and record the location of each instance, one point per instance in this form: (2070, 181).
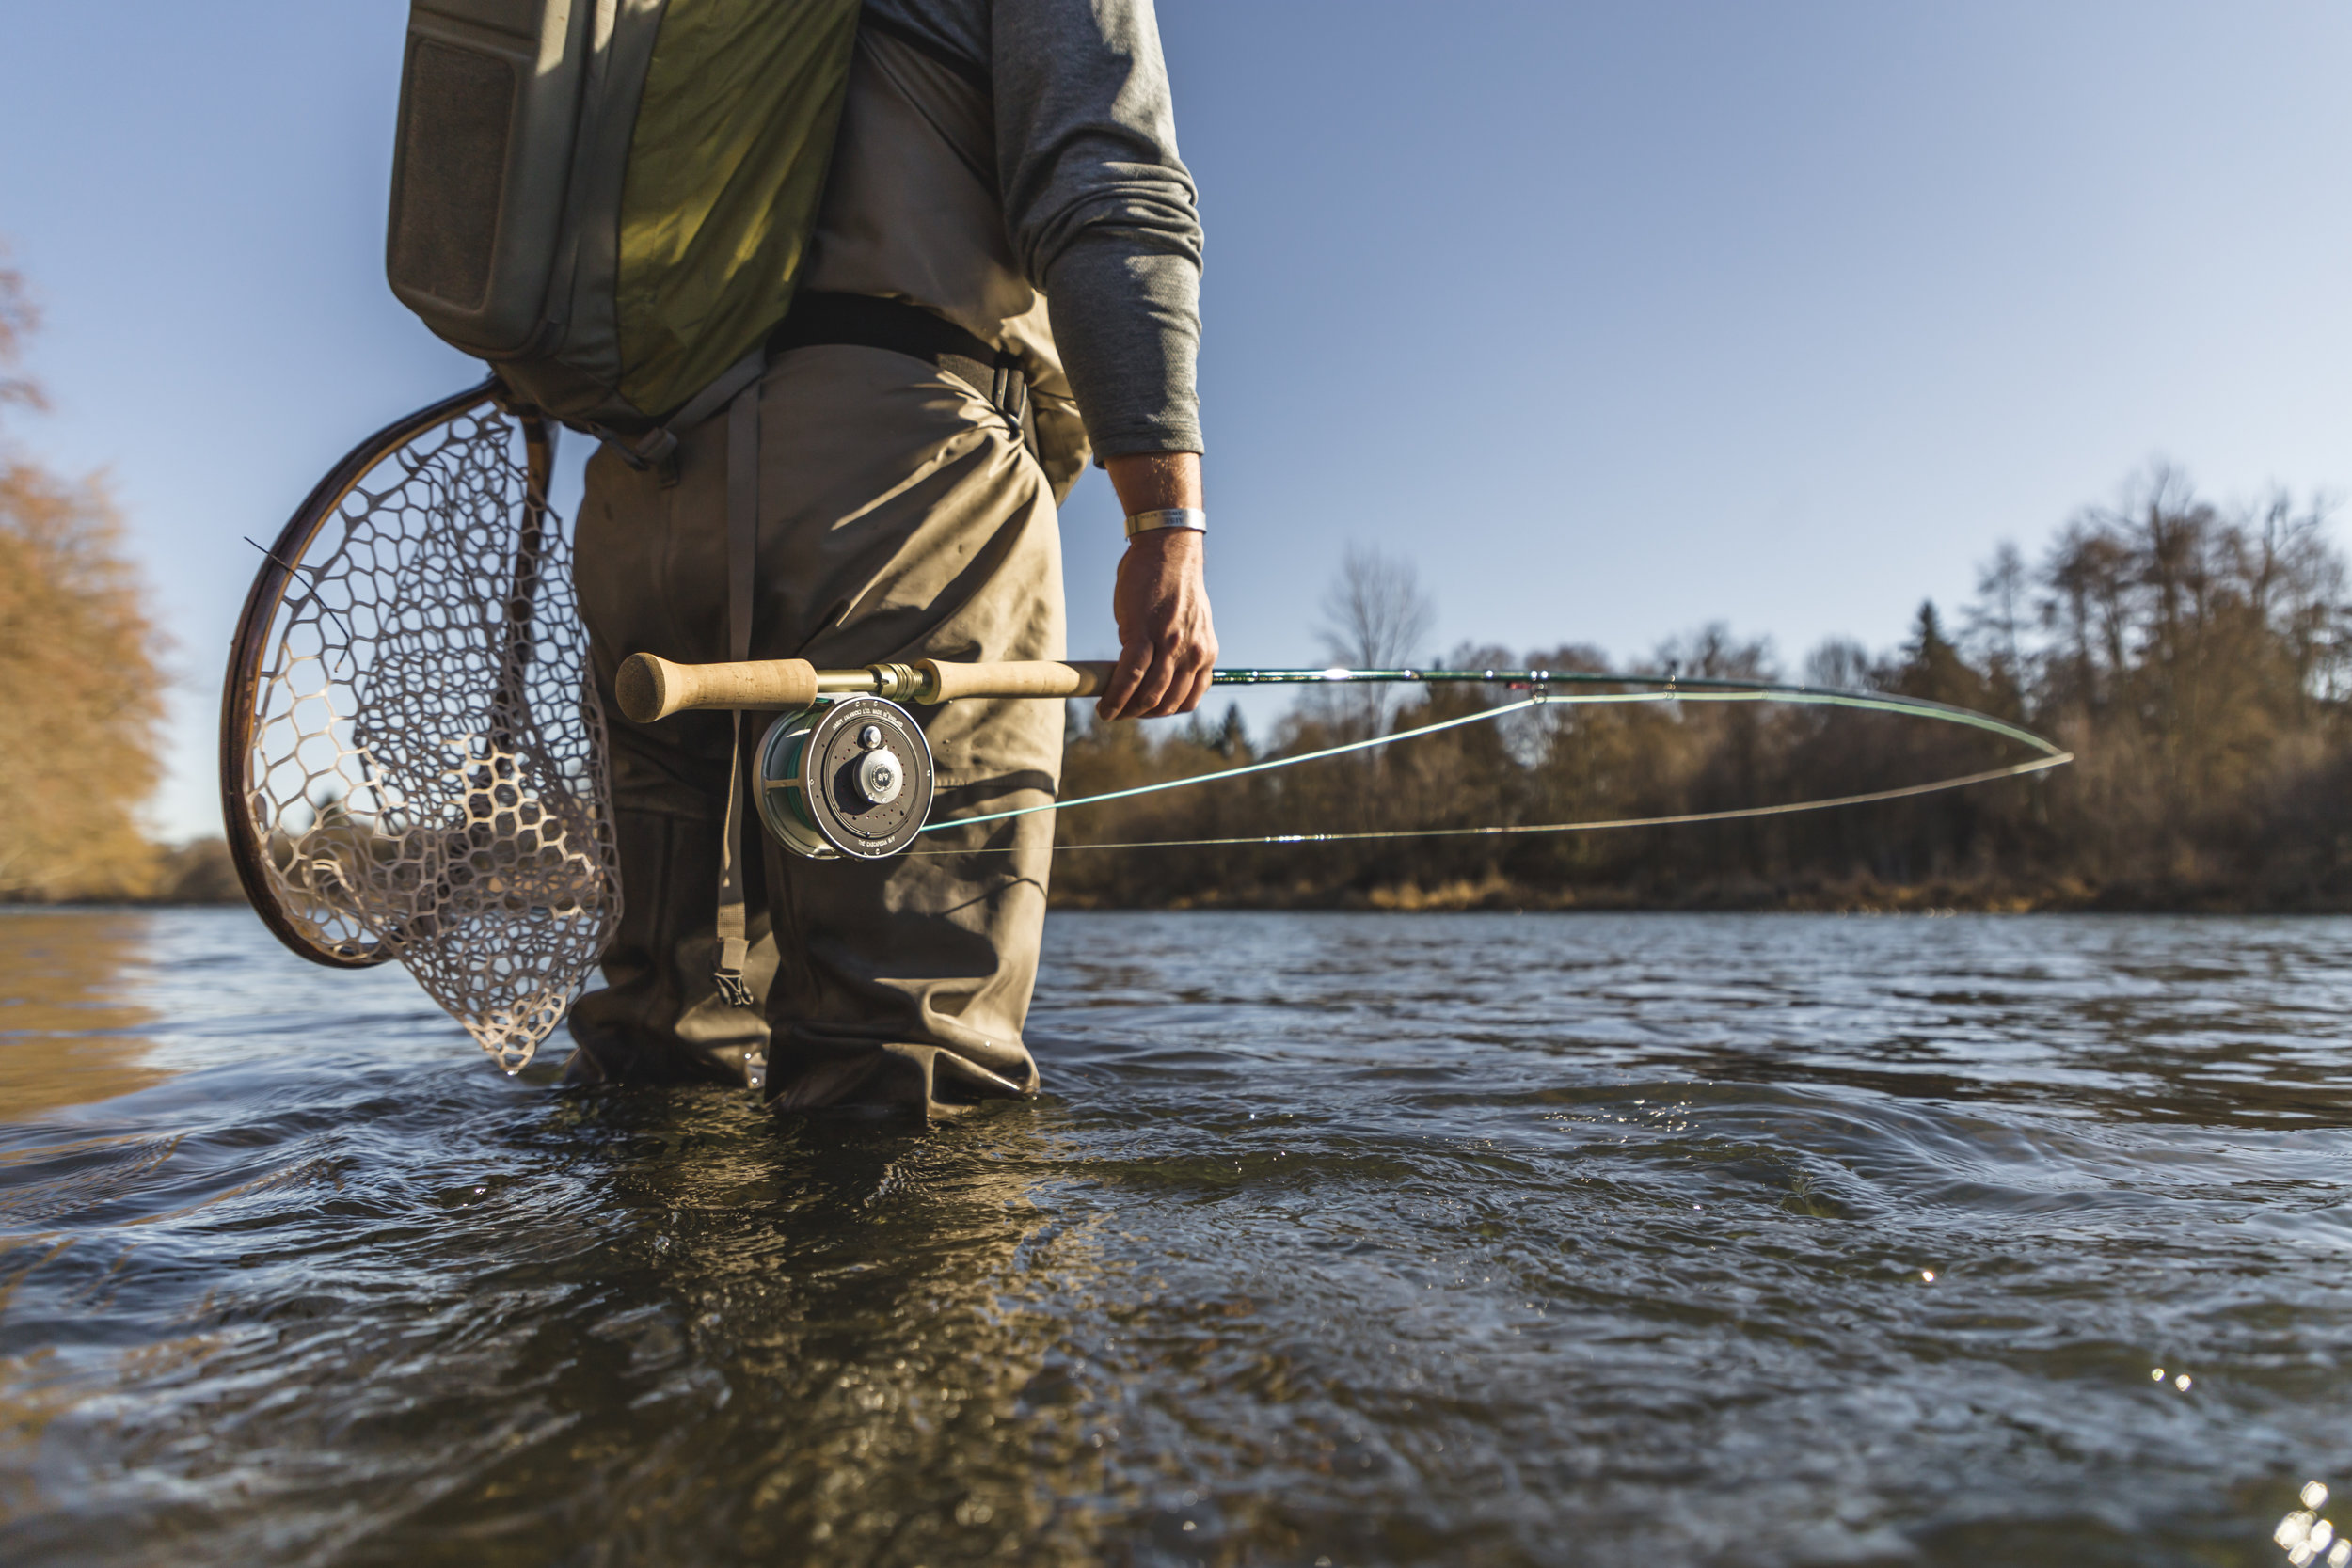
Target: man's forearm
(1155, 481)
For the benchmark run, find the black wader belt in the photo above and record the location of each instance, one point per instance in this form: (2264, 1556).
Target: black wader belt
(864, 321)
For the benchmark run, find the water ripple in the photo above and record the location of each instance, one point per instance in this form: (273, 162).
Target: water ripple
(1459, 1239)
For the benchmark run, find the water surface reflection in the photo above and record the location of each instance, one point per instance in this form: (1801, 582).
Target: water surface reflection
(67, 1035)
(1383, 1239)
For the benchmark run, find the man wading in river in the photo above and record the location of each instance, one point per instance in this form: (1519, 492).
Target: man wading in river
(922, 412)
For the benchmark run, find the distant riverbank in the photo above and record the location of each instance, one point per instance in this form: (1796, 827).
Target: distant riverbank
(190, 875)
(1733, 894)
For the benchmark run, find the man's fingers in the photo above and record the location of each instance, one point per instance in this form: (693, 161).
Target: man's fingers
(1199, 688)
(1206, 653)
(1152, 692)
(1178, 698)
(1188, 681)
(1126, 676)
(1149, 682)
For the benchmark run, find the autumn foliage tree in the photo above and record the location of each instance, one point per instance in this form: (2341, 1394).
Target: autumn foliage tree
(78, 661)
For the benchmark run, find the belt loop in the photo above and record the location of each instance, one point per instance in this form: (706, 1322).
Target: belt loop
(1017, 402)
(1009, 390)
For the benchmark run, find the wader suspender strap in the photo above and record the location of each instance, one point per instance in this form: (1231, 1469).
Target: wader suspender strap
(743, 540)
(658, 447)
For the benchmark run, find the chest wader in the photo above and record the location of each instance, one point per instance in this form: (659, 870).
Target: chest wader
(611, 202)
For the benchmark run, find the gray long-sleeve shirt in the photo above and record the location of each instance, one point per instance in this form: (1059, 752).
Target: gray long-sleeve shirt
(1101, 211)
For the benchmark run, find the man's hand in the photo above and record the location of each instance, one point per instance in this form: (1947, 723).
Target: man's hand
(1166, 645)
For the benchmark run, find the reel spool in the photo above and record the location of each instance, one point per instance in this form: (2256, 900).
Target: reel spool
(850, 778)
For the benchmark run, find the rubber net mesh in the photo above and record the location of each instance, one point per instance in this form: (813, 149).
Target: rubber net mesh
(428, 768)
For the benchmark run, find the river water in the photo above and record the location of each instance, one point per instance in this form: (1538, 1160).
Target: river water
(1349, 1239)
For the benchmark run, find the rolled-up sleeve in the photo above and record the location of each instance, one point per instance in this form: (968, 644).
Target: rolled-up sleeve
(1102, 212)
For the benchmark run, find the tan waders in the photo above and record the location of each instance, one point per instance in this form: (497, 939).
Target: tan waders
(900, 518)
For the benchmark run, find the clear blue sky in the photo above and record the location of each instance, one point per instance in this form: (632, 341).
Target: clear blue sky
(1613, 319)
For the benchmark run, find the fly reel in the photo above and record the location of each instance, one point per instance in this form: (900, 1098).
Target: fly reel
(850, 778)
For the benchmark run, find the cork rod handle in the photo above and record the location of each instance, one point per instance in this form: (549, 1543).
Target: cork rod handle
(945, 683)
(651, 688)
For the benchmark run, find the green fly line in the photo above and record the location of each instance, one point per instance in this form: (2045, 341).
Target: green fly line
(1664, 689)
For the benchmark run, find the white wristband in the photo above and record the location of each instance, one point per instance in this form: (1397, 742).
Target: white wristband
(1190, 518)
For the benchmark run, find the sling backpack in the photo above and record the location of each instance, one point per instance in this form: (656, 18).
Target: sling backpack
(609, 201)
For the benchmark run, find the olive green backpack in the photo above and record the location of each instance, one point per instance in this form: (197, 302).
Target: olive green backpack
(609, 201)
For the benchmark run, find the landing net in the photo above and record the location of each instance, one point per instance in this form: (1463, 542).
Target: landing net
(422, 758)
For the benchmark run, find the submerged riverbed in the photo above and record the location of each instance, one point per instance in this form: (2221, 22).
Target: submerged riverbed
(1349, 1239)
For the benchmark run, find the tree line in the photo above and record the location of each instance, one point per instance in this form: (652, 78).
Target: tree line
(2193, 657)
